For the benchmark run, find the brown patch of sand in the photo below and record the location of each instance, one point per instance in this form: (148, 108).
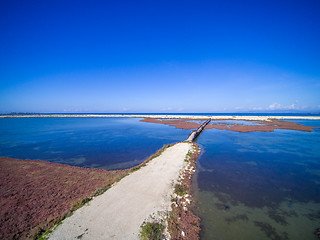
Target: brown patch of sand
(262, 126)
(181, 123)
(35, 195)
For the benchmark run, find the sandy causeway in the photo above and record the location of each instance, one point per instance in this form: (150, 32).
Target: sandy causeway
(119, 212)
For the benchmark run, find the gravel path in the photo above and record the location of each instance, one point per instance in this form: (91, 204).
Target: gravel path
(119, 212)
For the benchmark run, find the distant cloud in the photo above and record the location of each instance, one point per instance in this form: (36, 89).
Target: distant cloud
(167, 109)
(278, 106)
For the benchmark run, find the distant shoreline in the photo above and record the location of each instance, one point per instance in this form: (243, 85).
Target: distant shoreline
(167, 116)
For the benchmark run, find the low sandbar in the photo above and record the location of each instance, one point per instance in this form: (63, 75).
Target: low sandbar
(234, 125)
(167, 116)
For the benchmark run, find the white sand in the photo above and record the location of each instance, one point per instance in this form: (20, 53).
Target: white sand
(229, 117)
(119, 212)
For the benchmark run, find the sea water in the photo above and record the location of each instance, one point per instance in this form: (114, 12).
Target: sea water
(107, 143)
(259, 185)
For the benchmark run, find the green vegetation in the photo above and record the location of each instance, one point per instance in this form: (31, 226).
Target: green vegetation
(157, 154)
(101, 190)
(151, 231)
(79, 203)
(135, 168)
(180, 189)
(43, 236)
(189, 154)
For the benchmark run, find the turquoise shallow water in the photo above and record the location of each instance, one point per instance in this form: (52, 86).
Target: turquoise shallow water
(259, 185)
(108, 143)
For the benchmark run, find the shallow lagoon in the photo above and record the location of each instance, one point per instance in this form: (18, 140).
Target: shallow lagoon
(259, 185)
(108, 143)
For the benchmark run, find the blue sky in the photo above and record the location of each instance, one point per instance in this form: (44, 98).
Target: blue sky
(159, 56)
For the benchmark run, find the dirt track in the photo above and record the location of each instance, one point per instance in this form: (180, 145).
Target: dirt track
(119, 212)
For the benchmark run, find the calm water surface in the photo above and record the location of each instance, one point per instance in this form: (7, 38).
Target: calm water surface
(108, 143)
(259, 185)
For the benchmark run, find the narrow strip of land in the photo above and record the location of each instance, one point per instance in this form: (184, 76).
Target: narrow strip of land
(233, 125)
(168, 116)
(119, 212)
(194, 134)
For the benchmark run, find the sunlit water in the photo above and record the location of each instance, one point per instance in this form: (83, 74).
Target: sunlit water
(259, 185)
(108, 143)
